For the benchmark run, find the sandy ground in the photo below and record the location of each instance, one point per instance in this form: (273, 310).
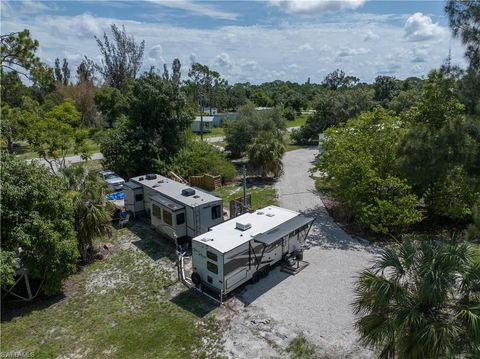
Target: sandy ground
(262, 319)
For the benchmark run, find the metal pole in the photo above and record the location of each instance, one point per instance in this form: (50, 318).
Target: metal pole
(244, 189)
(201, 119)
(178, 257)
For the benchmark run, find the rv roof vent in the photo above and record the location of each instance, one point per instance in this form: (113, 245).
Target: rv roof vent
(155, 186)
(151, 176)
(243, 226)
(188, 192)
(259, 212)
(196, 196)
(140, 179)
(270, 214)
(161, 181)
(207, 239)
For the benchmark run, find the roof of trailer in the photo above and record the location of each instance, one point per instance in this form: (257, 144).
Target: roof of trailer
(226, 236)
(173, 190)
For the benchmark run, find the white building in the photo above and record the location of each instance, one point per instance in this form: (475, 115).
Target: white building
(174, 208)
(207, 124)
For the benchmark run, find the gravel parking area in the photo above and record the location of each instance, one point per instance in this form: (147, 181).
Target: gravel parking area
(264, 317)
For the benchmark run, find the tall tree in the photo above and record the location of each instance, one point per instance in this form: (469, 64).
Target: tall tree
(358, 158)
(420, 299)
(86, 70)
(37, 224)
(334, 80)
(92, 212)
(265, 154)
(122, 56)
(65, 73)
(58, 71)
(57, 134)
(440, 155)
(157, 116)
(201, 82)
(464, 20)
(17, 52)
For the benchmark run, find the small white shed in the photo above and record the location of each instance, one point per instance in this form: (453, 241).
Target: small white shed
(207, 124)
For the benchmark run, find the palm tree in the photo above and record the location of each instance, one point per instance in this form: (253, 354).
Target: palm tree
(421, 299)
(266, 152)
(92, 210)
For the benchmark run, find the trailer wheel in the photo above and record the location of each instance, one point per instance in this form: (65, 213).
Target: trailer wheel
(256, 277)
(300, 256)
(265, 271)
(196, 278)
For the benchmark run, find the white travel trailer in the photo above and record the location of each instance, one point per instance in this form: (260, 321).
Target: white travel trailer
(246, 247)
(174, 208)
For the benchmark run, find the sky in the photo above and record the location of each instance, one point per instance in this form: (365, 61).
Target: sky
(254, 41)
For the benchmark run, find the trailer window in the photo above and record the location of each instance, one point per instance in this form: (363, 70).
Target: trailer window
(212, 256)
(181, 218)
(216, 212)
(156, 211)
(167, 217)
(139, 197)
(212, 267)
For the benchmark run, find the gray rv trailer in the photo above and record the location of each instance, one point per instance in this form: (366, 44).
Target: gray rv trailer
(246, 247)
(174, 208)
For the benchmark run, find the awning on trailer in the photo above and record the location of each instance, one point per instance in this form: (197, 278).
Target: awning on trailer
(281, 231)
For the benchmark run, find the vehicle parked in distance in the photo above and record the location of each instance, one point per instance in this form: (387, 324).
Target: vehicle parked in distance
(114, 181)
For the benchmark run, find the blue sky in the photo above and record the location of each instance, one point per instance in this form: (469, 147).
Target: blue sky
(253, 41)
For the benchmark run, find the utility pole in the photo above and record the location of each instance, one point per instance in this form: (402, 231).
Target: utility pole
(244, 170)
(201, 117)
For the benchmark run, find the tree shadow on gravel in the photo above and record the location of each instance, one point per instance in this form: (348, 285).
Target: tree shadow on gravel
(325, 233)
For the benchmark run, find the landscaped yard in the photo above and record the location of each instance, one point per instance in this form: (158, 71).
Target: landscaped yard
(299, 121)
(263, 195)
(126, 306)
(215, 132)
(27, 154)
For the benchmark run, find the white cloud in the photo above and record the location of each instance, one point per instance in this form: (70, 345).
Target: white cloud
(223, 60)
(346, 52)
(201, 9)
(370, 35)
(252, 53)
(305, 47)
(419, 27)
(311, 7)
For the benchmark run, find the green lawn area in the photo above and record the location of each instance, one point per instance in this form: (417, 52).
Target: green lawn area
(263, 195)
(215, 132)
(299, 121)
(95, 147)
(125, 306)
(290, 146)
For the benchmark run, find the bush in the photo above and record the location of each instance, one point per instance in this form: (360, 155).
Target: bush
(36, 216)
(240, 133)
(198, 158)
(359, 159)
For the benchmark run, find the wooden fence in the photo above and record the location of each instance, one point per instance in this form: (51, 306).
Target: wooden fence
(206, 181)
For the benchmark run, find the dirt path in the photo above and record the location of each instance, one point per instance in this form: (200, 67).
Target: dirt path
(316, 302)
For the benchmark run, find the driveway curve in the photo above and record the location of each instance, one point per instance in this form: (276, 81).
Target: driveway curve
(317, 301)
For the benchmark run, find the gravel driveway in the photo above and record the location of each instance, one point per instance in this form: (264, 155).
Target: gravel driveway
(315, 302)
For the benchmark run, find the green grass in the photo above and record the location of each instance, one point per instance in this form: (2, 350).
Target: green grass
(290, 146)
(262, 195)
(120, 307)
(215, 132)
(28, 155)
(301, 348)
(299, 121)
